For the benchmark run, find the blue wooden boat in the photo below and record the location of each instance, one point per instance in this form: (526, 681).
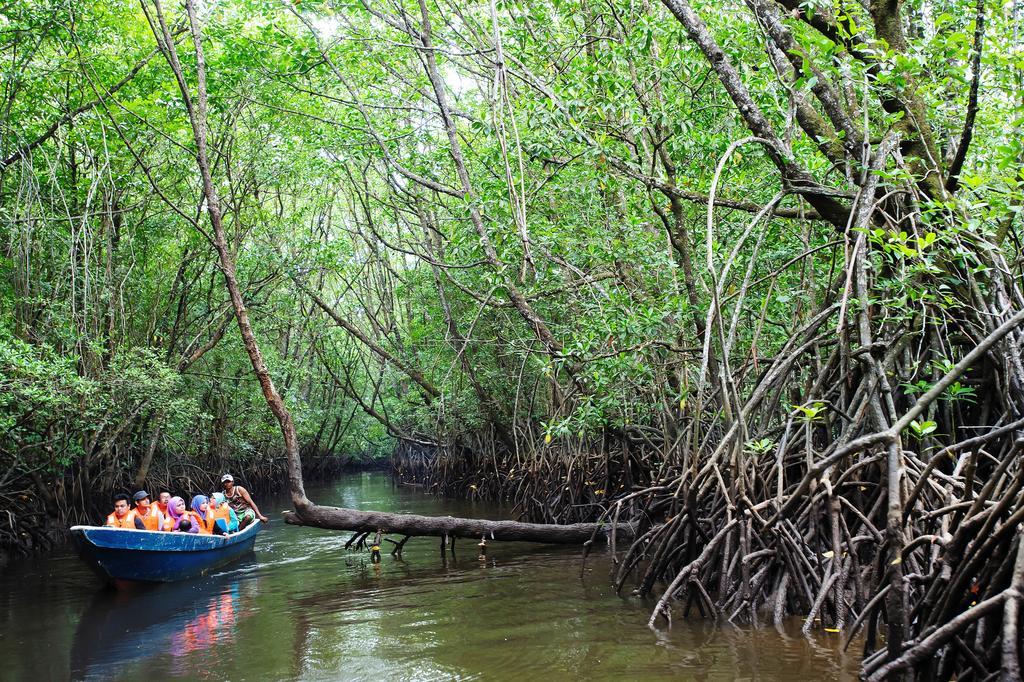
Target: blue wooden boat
(120, 554)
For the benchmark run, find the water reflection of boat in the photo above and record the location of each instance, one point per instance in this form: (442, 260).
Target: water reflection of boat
(124, 627)
(153, 556)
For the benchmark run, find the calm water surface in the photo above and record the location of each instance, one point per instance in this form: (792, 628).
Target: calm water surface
(303, 608)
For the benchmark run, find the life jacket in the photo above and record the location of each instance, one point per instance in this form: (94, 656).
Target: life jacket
(223, 512)
(152, 521)
(211, 520)
(126, 521)
(205, 526)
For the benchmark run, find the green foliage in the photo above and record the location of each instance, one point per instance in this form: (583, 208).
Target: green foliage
(921, 429)
(810, 413)
(323, 121)
(759, 447)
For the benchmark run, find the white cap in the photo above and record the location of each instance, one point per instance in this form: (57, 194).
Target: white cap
(227, 477)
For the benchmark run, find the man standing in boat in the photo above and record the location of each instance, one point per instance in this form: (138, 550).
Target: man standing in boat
(239, 500)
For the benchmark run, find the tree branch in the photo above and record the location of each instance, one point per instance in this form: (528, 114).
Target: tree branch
(410, 371)
(957, 165)
(793, 175)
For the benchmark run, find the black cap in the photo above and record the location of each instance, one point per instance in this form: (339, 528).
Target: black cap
(141, 495)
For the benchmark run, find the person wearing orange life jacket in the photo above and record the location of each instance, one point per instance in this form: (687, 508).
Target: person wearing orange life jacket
(225, 518)
(201, 516)
(122, 516)
(147, 516)
(180, 517)
(161, 503)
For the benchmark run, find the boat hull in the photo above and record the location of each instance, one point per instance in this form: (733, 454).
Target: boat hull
(153, 556)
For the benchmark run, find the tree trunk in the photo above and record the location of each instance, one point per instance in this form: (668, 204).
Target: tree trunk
(335, 518)
(197, 117)
(147, 458)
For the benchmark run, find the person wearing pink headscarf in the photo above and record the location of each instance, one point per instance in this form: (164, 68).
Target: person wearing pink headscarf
(180, 518)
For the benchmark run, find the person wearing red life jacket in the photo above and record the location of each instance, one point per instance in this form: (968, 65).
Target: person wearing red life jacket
(122, 516)
(147, 516)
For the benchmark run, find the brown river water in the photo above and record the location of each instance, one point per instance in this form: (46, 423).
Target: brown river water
(301, 607)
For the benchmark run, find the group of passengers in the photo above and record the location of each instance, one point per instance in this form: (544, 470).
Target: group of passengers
(221, 513)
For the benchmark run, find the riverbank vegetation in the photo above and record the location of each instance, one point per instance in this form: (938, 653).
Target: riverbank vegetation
(745, 278)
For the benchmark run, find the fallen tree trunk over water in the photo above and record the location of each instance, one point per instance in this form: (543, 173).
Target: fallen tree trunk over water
(339, 518)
